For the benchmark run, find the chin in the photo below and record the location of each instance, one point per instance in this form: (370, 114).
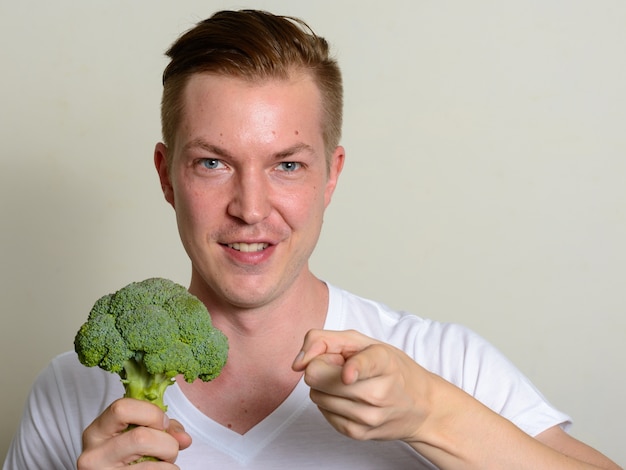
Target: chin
(247, 297)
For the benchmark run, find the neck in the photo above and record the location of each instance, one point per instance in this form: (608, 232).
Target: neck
(271, 331)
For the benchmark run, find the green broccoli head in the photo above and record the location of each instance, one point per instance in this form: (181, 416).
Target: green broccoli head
(149, 332)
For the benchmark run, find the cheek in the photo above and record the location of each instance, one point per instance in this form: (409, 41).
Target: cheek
(190, 205)
(308, 208)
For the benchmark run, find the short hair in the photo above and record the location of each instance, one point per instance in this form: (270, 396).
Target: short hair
(253, 45)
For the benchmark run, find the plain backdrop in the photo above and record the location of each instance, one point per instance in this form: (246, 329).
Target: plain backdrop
(484, 181)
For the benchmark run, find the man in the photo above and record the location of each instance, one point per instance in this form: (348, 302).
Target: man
(251, 119)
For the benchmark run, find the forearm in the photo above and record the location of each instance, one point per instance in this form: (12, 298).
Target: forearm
(461, 433)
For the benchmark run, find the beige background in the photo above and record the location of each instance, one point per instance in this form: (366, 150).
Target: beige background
(484, 182)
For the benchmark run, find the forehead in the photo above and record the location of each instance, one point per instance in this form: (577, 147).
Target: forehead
(218, 97)
(250, 116)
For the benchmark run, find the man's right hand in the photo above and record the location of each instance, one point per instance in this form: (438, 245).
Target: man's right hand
(107, 443)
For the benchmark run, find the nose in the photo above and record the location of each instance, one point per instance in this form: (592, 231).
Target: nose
(250, 200)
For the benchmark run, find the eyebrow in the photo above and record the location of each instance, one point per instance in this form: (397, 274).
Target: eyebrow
(222, 152)
(204, 145)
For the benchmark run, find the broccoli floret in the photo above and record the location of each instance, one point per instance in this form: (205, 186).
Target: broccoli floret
(149, 332)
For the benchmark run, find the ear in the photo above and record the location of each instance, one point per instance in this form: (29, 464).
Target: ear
(162, 167)
(334, 170)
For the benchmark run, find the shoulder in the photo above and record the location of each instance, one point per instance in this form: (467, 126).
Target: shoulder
(451, 350)
(405, 330)
(82, 391)
(66, 369)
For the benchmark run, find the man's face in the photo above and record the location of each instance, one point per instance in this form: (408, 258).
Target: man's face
(249, 182)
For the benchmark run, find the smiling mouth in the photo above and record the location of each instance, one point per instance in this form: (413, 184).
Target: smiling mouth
(248, 247)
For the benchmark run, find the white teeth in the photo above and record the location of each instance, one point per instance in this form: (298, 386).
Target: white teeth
(248, 247)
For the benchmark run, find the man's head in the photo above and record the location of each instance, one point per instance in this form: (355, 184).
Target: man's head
(255, 46)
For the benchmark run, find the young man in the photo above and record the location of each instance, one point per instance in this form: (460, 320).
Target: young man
(251, 118)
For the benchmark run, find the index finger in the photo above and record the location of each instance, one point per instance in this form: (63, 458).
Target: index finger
(318, 342)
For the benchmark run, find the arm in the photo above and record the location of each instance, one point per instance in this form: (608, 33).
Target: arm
(559, 440)
(370, 390)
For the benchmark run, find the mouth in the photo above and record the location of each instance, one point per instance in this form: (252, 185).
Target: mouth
(248, 247)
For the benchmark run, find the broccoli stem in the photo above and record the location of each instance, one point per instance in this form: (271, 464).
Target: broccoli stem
(141, 384)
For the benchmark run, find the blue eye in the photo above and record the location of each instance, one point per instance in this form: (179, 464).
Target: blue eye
(289, 166)
(211, 163)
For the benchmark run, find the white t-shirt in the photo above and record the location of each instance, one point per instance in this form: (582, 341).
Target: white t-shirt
(68, 396)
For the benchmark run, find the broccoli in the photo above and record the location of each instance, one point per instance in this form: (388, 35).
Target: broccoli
(149, 332)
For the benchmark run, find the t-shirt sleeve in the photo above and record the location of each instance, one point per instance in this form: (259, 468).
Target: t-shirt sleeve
(500, 385)
(455, 353)
(467, 360)
(64, 399)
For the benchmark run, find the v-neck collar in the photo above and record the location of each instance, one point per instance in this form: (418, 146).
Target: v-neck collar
(242, 447)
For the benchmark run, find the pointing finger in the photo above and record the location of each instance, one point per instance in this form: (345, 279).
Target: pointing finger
(318, 342)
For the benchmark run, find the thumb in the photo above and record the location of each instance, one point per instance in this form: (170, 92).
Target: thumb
(177, 431)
